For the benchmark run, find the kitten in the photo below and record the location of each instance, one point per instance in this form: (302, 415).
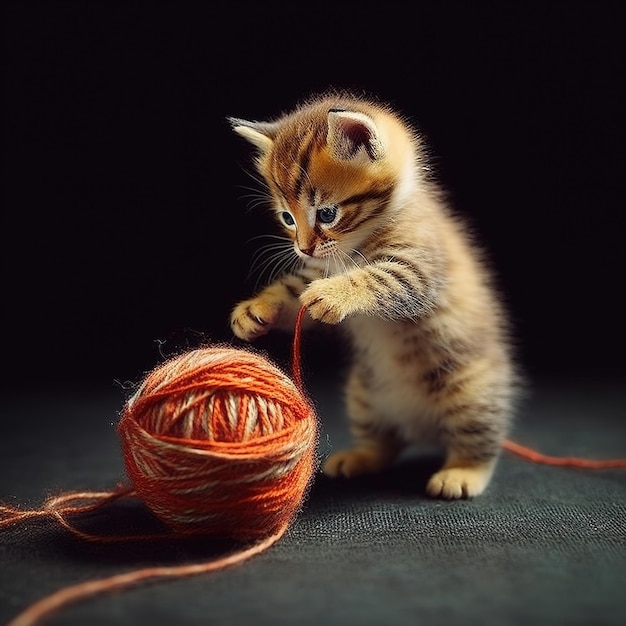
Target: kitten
(379, 252)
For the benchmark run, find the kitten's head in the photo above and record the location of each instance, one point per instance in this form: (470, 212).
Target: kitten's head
(333, 167)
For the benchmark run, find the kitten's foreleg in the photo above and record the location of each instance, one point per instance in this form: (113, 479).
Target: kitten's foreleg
(331, 300)
(275, 306)
(387, 289)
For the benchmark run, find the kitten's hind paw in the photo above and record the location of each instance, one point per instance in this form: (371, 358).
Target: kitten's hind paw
(355, 462)
(454, 483)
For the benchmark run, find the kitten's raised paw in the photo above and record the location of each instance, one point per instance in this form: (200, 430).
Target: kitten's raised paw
(354, 462)
(254, 318)
(458, 482)
(325, 300)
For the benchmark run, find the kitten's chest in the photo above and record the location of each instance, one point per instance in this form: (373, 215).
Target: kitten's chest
(394, 352)
(391, 360)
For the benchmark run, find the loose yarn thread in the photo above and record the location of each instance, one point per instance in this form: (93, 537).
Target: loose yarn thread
(560, 461)
(220, 441)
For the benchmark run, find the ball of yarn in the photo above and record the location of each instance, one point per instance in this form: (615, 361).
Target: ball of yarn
(219, 440)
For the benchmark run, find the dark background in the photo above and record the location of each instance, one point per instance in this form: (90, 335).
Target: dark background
(125, 223)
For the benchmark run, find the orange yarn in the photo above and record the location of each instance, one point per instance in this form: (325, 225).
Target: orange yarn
(561, 461)
(219, 439)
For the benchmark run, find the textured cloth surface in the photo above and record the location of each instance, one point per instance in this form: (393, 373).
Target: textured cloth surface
(543, 545)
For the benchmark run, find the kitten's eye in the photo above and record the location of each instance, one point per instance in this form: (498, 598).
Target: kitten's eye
(327, 214)
(287, 218)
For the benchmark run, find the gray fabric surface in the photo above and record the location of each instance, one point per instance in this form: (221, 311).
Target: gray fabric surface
(543, 545)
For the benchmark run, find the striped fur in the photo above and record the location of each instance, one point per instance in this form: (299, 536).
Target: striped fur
(377, 250)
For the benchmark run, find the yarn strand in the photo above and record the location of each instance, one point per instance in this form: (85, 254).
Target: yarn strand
(57, 508)
(61, 506)
(296, 360)
(81, 591)
(561, 461)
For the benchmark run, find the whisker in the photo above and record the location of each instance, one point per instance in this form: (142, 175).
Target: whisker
(291, 263)
(269, 253)
(257, 179)
(272, 259)
(269, 236)
(359, 254)
(284, 266)
(254, 190)
(257, 201)
(258, 197)
(340, 259)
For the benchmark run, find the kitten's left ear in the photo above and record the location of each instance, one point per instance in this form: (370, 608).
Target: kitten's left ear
(261, 134)
(353, 135)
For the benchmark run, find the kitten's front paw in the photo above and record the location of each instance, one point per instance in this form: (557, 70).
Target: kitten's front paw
(454, 483)
(325, 301)
(355, 462)
(255, 317)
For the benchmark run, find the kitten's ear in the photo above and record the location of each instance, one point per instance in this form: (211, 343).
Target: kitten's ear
(353, 135)
(260, 134)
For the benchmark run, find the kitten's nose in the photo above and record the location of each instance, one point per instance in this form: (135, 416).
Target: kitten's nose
(308, 251)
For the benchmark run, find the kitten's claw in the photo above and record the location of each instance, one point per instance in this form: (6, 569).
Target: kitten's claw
(254, 318)
(458, 482)
(354, 462)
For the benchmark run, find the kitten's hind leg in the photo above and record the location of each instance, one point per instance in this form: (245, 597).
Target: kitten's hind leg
(374, 447)
(365, 457)
(460, 479)
(474, 422)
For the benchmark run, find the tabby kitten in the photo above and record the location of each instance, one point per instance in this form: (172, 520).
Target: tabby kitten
(379, 252)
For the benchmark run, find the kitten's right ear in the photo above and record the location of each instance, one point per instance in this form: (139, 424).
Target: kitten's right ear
(260, 134)
(353, 135)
